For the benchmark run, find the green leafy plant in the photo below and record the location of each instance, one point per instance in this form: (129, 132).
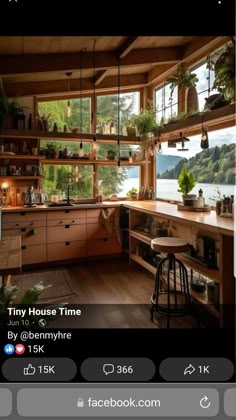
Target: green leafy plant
(145, 121)
(9, 296)
(186, 181)
(132, 193)
(182, 80)
(224, 68)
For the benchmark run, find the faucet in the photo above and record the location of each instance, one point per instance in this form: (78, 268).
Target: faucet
(68, 193)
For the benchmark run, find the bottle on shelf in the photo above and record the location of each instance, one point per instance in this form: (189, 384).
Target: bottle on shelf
(200, 198)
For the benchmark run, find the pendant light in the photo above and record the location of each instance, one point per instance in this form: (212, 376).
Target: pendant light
(204, 137)
(119, 168)
(94, 113)
(81, 150)
(182, 139)
(69, 111)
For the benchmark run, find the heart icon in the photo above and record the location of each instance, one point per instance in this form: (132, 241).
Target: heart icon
(19, 349)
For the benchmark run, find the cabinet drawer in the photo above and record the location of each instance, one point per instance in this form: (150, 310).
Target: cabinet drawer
(26, 224)
(98, 230)
(63, 222)
(33, 254)
(103, 247)
(66, 233)
(28, 236)
(23, 216)
(66, 214)
(66, 251)
(95, 213)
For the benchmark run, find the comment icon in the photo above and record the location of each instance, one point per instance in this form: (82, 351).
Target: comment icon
(108, 368)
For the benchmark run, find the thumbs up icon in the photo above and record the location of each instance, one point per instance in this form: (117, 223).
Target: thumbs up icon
(29, 370)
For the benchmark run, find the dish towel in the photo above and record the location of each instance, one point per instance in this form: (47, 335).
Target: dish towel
(111, 222)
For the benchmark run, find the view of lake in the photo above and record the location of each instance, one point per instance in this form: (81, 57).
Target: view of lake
(167, 188)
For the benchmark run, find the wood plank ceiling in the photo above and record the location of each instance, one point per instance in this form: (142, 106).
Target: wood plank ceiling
(37, 65)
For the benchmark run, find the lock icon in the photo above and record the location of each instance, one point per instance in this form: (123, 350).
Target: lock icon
(80, 402)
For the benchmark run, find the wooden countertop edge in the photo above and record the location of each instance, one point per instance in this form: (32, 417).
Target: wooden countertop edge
(208, 220)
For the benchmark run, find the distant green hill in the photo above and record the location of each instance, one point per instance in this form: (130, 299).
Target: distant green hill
(215, 166)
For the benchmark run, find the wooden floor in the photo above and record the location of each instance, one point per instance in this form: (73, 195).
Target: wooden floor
(120, 291)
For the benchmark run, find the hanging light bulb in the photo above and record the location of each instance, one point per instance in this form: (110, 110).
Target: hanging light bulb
(69, 110)
(119, 168)
(81, 149)
(204, 139)
(94, 144)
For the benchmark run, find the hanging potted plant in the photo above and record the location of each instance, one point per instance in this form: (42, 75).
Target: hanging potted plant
(186, 183)
(185, 80)
(224, 68)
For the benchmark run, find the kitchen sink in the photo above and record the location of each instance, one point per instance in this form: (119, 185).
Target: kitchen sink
(73, 204)
(60, 205)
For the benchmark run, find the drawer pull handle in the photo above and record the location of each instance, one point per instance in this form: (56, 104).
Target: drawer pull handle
(17, 224)
(23, 213)
(105, 239)
(61, 221)
(23, 247)
(73, 221)
(67, 243)
(67, 226)
(67, 211)
(23, 230)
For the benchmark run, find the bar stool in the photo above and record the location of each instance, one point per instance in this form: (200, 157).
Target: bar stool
(171, 294)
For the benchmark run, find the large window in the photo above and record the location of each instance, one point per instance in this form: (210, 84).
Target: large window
(58, 178)
(204, 85)
(166, 106)
(110, 182)
(107, 111)
(213, 168)
(56, 112)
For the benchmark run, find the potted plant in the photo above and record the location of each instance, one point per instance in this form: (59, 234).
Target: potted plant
(185, 79)
(133, 193)
(224, 68)
(145, 121)
(186, 183)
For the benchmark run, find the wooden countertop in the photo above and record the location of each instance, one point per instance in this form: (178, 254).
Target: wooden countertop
(207, 220)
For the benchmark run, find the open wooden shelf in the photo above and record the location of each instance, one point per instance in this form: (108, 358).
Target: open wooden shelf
(89, 162)
(31, 157)
(76, 137)
(213, 274)
(21, 177)
(143, 263)
(199, 297)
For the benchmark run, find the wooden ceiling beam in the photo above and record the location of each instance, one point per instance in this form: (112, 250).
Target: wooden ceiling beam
(127, 46)
(61, 86)
(101, 74)
(37, 63)
(192, 53)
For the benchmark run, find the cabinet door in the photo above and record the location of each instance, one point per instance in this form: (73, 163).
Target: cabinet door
(33, 254)
(66, 233)
(100, 231)
(103, 247)
(66, 250)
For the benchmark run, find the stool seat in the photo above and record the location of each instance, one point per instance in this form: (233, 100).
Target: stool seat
(169, 244)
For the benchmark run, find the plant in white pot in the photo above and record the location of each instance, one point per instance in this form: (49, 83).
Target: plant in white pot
(186, 183)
